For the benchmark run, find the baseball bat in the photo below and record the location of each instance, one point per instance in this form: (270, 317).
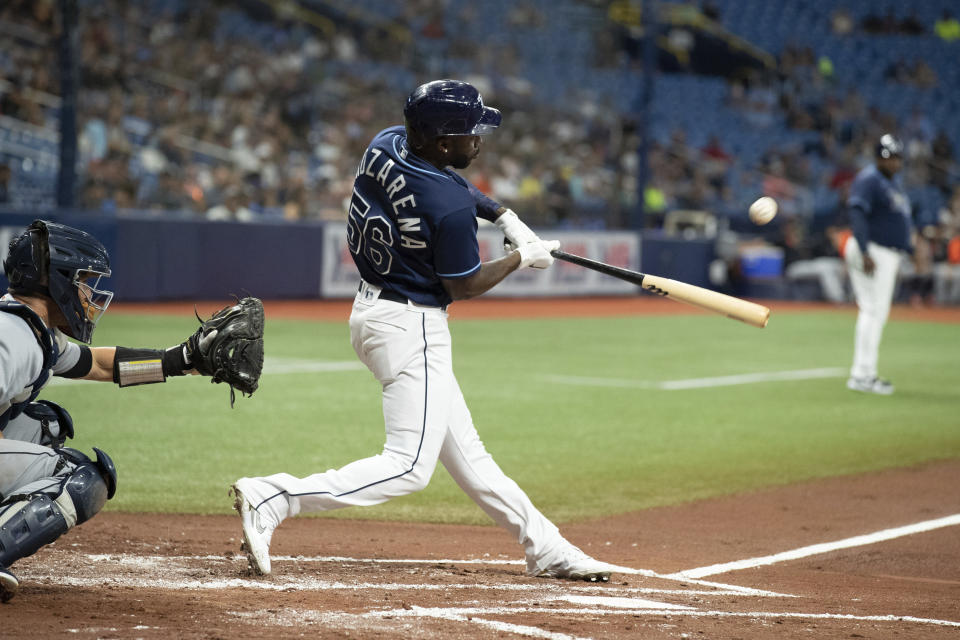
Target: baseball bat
(749, 312)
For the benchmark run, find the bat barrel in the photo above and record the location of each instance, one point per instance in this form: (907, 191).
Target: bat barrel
(748, 312)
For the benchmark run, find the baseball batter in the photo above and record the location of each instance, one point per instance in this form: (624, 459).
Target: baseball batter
(880, 220)
(45, 488)
(412, 226)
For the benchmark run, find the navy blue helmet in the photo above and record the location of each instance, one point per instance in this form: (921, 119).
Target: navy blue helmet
(889, 146)
(64, 264)
(448, 108)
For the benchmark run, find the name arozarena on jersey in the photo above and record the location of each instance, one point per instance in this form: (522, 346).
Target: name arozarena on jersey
(395, 191)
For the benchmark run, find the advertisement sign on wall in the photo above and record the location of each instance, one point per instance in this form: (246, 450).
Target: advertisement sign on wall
(621, 249)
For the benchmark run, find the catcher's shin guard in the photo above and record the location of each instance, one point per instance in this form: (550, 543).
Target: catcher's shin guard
(91, 484)
(31, 521)
(28, 524)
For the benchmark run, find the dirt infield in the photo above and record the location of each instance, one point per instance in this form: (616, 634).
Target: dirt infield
(178, 576)
(529, 308)
(887, 564)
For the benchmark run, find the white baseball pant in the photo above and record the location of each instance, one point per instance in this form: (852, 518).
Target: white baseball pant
(874, 295)
(407, 347)
(26, 467)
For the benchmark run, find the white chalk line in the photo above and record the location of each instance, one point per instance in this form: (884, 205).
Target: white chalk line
(271, 366)
(619, 603)
(281, 366)
(552, 591)
(816, 549)
(464, 612)
(467, 614)
(164, 560)
(699, 383)
(355, 621)
(508, 627)
(310, 366)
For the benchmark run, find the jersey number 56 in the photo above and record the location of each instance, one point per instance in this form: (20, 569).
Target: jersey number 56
(370, 236)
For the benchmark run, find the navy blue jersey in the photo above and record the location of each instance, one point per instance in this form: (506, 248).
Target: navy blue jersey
(409, 223)
(879, 210)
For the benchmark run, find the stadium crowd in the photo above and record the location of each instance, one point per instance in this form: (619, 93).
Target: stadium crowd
(210, 110)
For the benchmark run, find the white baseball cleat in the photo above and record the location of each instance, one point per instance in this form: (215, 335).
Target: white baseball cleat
(878, 386)
(8, 584)
(257, 531)
(573, 564)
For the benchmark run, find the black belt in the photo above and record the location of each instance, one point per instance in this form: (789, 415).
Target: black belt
(386, 294)
(393, 296)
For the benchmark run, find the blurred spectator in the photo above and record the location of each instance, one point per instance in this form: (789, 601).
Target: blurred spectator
(923, 74)
(898, 71)
(714, 151)
(93, 196)
(841, 22)
(759, 101)
(917, 273)
(295, 200)
(655, 207)
(178, 106)
(434, 28)
(525, 15)
(170, 195)
(123, 197)
(776, 184)
(942, 167)
(911, 25)
(946, 252)
(825, 68)
(887, 23)
(947, 27)
(624, 28)
(918, 133)
(234, 207)
(4, 183)
(949, 215)
(16, 103)
(919, 74)
(92, 140)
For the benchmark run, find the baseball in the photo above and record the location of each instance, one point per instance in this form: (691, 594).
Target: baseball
(763, 210)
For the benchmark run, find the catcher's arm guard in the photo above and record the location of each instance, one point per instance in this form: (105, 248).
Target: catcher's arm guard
(229, 346)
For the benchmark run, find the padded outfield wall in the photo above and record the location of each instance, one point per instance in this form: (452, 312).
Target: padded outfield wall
(157, 258)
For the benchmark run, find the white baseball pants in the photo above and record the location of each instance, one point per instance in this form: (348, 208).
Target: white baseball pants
(407, 347)
(26, 467)
(874, 295)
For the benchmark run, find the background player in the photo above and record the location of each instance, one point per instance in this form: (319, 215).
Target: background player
(880, 220)
(54, 273)
(412, 231)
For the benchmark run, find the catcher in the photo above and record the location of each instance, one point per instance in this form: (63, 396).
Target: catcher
(54, 273)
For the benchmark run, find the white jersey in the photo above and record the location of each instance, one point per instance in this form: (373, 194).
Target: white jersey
(21, 358)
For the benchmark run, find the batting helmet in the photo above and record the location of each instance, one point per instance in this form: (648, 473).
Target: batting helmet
(889, 146)
(449, 108)
(64, 264)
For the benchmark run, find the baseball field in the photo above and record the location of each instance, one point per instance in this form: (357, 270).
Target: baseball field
(746, 492)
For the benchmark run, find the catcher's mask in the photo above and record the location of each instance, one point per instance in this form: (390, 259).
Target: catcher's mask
(66, 265)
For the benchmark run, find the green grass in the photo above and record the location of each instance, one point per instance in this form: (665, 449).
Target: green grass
(578, 451)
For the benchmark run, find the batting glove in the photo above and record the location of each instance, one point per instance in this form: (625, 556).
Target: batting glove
(537, 254)
(514, 229)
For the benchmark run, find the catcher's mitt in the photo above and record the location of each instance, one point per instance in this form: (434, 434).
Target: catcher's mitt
(229, 346)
